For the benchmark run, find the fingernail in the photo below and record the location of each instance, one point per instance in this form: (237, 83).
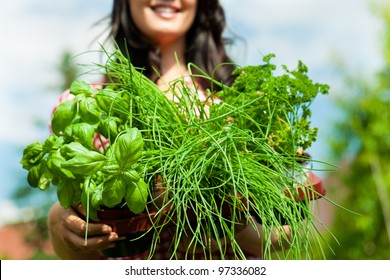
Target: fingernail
(113, 237)
(106, 229)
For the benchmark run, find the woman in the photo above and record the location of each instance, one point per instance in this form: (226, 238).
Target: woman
(161, 35)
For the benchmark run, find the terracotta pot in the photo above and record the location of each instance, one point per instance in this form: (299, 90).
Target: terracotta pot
(134, 244)
(309, 185)
(313, 189)
(137, 228)
(124, 222)
(310, 188)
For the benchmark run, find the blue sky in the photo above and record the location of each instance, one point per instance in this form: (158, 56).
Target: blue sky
(34, 34)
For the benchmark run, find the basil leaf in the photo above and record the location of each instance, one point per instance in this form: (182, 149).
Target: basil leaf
(111, 168)
(108, 127)
(136, 196)
(89, 110)
(86, 195)
(53, 142)
(63, 116)
(33, 176)
(111, 103)
(81, 132)
(91, 211)
(74, 148)
(81, 87)
(32, 155)
(105, 99)
(114, 191)
(128, 148)
(76, 185)
(54, 165)
(86, 164)
(132, 175)
(45, 176)
(65, 193)
(97, 196)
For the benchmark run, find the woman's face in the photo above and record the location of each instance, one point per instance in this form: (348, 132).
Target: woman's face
(163, 21)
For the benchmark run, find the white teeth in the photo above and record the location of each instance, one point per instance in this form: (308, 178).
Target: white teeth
(164, 10)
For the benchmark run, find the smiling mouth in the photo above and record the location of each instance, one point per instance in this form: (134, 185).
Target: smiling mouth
(162, 9)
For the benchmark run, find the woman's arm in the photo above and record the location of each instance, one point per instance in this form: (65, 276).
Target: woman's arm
(67, 235)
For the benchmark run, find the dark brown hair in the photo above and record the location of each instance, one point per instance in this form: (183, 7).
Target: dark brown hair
(204, 41)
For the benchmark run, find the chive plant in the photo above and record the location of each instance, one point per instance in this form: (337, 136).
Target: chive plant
(218, 163)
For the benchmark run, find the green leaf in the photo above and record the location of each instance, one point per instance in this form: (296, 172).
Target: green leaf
(33, 176)
(65, 193)
(128, 148)
(105, 99)
(53, 142)
(85, 164)
(81, 87)
(114, 191)
(76, 185)
(89, 110)
(91, 211)
(97, 196)
(132, 175)
(45, 177)
(112, 103)
(108, 127)
(111, 169)
(136, 196)
(68, 151)
(32, 155)
(81, 132)
(276, 104)
(54, 162)
(63, 116)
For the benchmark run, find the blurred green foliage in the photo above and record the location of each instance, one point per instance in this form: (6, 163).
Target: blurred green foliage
(68, 70)
(362, 142)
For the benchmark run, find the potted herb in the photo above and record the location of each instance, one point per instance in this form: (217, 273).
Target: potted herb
(93, 155)
(200, 167)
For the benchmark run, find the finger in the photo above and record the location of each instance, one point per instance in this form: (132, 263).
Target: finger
(78, 226)
(98, 243)
(79, 209)
(93, 228)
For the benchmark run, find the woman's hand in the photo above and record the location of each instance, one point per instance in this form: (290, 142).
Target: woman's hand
(251, 240)
(67, 234)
